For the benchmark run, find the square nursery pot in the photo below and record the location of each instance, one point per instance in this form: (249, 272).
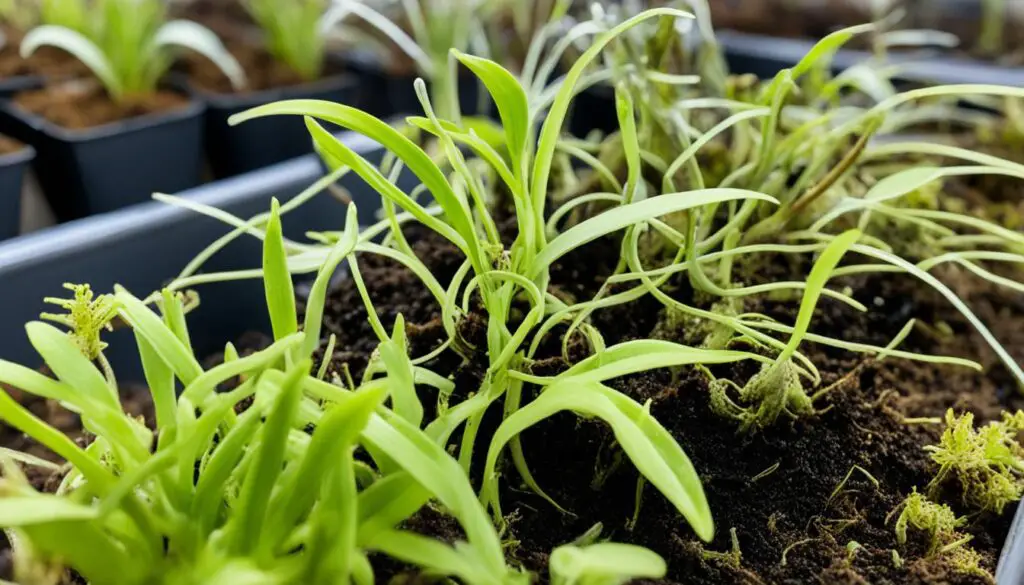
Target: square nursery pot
(145, 246)
(96, 170)
(257, 143)
(12, 173)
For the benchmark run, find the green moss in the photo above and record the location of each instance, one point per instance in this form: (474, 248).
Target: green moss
(938, 520)
(987, 462)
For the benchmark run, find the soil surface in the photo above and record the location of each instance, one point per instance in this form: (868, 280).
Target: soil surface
(85, 104)
(9, 145)
(47, 61)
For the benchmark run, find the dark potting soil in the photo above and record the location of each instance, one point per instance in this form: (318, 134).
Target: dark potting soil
(862, 423)
(85, 104)
(47, 61)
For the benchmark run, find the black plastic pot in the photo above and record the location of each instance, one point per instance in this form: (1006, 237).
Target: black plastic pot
(84, 172)
(146, 245)
(237, 149)
(12, 171)
(765, 56)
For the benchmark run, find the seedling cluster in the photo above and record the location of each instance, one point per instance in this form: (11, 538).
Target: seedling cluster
(285, 476)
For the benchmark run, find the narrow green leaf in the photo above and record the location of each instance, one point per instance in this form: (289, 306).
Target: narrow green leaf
(816, 281)
(251, 508)
(146, 323)
(277, 281)
(607, 563)
(66, 360)
(402, 383)
(18, 511)
(78, 45)
(418, 161)
(318, 293)
(509, 96)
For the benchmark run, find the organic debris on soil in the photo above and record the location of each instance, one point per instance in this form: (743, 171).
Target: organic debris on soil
(85, 104)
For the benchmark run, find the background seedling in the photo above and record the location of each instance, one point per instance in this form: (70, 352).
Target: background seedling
(128, 45)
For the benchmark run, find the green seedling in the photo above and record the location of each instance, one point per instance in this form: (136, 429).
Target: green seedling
(604, 563)
(776, 388)
(294, 32)
(431, 29)
(22, 15)
(213, 495)
(128, 45)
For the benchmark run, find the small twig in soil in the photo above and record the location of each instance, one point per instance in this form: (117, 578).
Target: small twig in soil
(785, 551)
(772, 469)
(849, 474)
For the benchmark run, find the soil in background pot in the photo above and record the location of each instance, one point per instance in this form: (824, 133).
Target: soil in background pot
(262, 70)
(9, 145)
(47, 61)
(85, 104)
(221, 16)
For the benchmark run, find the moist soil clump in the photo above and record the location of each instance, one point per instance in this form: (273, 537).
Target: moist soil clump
(82, 105)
